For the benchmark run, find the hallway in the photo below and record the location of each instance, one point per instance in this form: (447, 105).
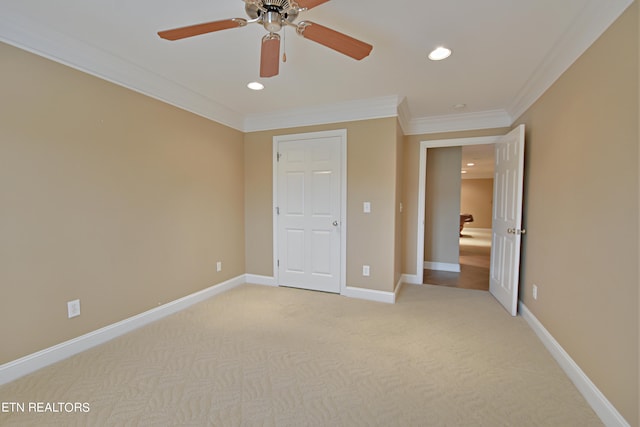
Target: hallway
(475, 253)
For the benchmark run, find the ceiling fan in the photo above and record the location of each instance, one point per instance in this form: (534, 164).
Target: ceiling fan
(273, 15)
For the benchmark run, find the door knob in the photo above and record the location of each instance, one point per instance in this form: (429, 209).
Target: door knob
(335, 223)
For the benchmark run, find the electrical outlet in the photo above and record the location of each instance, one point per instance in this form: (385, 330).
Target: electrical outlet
(535, 292)
(73, 308)
(365, 270)
(219, 266)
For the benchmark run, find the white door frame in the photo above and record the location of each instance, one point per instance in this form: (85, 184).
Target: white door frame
(339, 133)
(422, 176)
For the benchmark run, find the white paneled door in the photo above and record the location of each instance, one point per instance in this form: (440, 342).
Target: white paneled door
(507, 219)
(309, 212)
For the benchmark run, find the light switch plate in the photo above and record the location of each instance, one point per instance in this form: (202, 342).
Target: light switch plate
(366, 270)
(366, 207)
(73, 308)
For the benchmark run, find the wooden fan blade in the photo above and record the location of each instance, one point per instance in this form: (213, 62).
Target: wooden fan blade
(335, 40)
(270, 55)
(196, 30)
(310, 4)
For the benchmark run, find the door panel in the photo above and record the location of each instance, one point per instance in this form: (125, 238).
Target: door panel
(295, 250)
(507, 219)
(294, 204)
(321, 193)
(321, 251)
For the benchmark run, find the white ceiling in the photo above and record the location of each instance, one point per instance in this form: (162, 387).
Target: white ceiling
(505, 54)
(483, 158)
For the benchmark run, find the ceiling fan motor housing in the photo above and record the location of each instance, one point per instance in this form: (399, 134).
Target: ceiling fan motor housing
(272, 14)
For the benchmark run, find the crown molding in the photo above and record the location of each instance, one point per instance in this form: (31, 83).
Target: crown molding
(20, 32)
(404, 116)
(364, 109)
(24, 34)
(595, 18)
(458, 122)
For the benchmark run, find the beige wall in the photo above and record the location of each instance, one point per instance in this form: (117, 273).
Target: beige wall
(581, 198)
(107, 196)
(476, 198)
(442, 205)
(371, 176)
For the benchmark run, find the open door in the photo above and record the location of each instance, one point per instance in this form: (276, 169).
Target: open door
(507, 219)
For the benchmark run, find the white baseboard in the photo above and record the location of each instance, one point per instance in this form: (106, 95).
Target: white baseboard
(348, 291)
(369, 294)
(411, 279)
(598, 402)
(260, 280)
(442, 266)
(18, 368)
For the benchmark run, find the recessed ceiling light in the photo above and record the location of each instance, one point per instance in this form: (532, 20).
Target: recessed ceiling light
(255, 86)
(459, 106)
(463, 172)
(471, 164)
(439, 53)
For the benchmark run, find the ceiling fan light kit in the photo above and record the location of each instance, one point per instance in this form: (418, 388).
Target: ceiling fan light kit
(273, 15)
(270, 55)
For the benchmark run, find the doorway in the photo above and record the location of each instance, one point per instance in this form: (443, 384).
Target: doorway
(474, 238)
(424, 145)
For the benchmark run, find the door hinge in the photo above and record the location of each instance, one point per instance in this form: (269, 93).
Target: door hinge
(278, 155)
(278, 263)
(277, 210)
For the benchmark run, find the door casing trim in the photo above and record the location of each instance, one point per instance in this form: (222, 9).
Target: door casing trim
(422, 177)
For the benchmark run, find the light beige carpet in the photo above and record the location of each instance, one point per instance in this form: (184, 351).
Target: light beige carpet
(260, 356)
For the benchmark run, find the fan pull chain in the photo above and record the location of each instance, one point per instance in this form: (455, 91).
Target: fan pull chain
(284, 45)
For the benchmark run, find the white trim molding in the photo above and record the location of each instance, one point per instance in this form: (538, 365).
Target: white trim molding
(442, 266)
(422, 191)
(18, 368)
(595, 18)
(261, 280)
(23, 33)
(598, 402)
(459, 122)
(411, 279)
(365, 109)
(404, 116)
(369, 294)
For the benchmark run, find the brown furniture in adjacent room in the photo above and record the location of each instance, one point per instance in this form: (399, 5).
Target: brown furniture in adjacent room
(464, 218)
